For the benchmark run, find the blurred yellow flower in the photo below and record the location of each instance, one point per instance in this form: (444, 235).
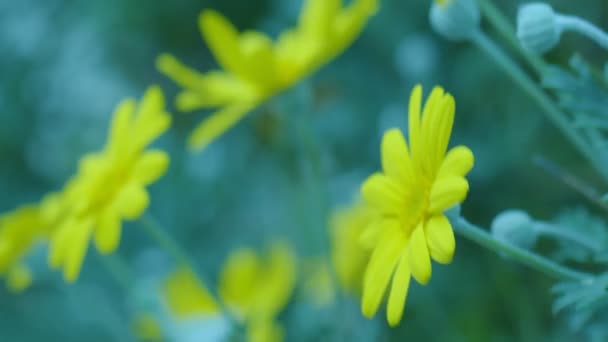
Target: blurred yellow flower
(254, 67)
(110, 185)
(416, 186)
(186, 296)
(349, 256)
(146, 328)
(256, 289)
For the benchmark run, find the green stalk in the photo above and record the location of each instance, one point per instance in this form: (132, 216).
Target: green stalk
(532, 260)
(172, 247)
(502, 25)
(542, 100)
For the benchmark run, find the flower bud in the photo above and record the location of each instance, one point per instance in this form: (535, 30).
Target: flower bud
(455, 20)
(538, 28)
(514, 227)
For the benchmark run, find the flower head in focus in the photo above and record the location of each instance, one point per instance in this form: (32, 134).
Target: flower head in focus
(110, 185)
(349, 256)
(417, 184)
(254, 67)
(257, 289)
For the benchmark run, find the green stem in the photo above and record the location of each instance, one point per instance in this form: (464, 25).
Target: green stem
(537, 262)
(501, 24)
(167, 243)
(312, 149)
(542, 100)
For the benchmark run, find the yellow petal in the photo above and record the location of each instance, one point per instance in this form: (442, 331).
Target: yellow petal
(414, 120)
(237, 280)
(132, 201)
(399, 287)
(295, 56)
(217, 124)
(440, 239)
(380, 268)
(107, 232)
(433, 105)
(442, 126)
(76, 250)
(222, 38)
(349, 23)
(278, 276)
(216, 89)
(420, 262)
(121, 124)
(58, 244)
(447, 192)
(182, 75)
(150, 166)
(458, 162)
(396, 161)
(151, 121)
(383, 194)
(317, 17)
(187, 296)
(258, 58)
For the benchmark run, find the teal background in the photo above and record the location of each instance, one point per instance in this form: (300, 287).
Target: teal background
(64, 65)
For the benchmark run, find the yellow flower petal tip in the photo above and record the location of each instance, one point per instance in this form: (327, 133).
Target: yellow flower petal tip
(420, 179)
(255, 67)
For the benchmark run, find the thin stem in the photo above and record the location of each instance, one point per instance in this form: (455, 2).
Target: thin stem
(537, 262)
(572, 181)
(504, 27)
(166, 242)
(576, 24)
(543, 101)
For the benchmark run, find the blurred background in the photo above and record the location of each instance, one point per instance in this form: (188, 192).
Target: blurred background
(64, 65)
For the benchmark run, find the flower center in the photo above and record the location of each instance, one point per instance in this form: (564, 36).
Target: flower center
(416, 207)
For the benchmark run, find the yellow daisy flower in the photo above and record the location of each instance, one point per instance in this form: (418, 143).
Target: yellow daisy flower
(416, 186)
(110, 185)
(254, 67)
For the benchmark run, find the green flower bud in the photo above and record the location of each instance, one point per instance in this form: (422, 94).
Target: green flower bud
(538, 27)
(455, 19)
(514, 227)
